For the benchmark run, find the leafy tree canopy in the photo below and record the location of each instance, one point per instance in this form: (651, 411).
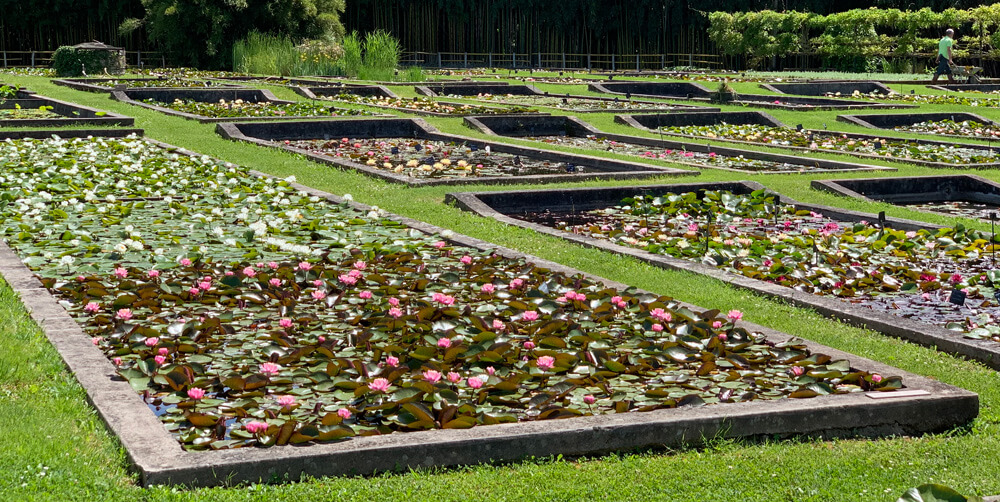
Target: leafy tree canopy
(202, 32)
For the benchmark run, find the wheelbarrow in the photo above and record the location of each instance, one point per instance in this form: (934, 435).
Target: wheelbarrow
(969, 73)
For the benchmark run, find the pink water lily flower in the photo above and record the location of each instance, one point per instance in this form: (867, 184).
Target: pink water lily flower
(488, 288)
(395, 313)
(379, 385)
(92, 307)
(365, 295)
(152, 341)
(589, 399)
(304, 265)
(392, 361)
(530, 315)
(124, 314)
(185, 262)
(444, 342)
(256, 427)
(121, 273)
(318, 295)
(474, 382)
(546, 362)
(432, 376)
(344, 413)
(160, 360)
(528, 345)
(454, 377)
(286, 401)
(269, 369)
(285, 322)
(498, 324)
(152, 274)
(196, 393)
(735, 315)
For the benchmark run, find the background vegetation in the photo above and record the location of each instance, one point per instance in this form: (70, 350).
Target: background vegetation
(523, 26)
(858, 39)
(201, 33)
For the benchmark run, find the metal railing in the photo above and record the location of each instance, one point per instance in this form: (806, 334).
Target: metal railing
(138, 59)
(560, 60)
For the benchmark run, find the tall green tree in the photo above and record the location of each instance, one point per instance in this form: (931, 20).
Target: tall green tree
(201, 33)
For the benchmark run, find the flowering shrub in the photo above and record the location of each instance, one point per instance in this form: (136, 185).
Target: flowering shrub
(248, 313)
(433, 159)
(909, 274)
(240, 108)
(890, 148)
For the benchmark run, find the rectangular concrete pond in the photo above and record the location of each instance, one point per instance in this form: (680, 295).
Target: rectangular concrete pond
(530, 96)
(938, 124)
(417, 154)
(68, 133)
(379, 96)
(112, 84)
(955, 195)
(921, 406)
(232, 104)
(698, 92)
(825, 88)
(34, 110)
(555, 212)
(573, 132)
(966, 87)
(761, 129)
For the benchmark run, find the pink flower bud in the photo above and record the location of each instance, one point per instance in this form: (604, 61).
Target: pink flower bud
(589, 399)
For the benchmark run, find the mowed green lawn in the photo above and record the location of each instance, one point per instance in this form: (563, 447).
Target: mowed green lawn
(55, 448)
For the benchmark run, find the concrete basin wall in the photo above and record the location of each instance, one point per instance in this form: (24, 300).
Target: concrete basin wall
(893, 120)
(916, 189)
(821, 88)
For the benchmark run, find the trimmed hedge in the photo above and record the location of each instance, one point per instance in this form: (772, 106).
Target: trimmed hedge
(72, 61)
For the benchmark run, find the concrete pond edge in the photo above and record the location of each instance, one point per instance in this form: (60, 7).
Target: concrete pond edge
(271, 134)
(939, 338)
(925, 406)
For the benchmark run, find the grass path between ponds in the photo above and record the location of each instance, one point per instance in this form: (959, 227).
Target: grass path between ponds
(55, 448)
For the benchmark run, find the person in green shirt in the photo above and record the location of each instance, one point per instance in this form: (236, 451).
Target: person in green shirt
(944, 61)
